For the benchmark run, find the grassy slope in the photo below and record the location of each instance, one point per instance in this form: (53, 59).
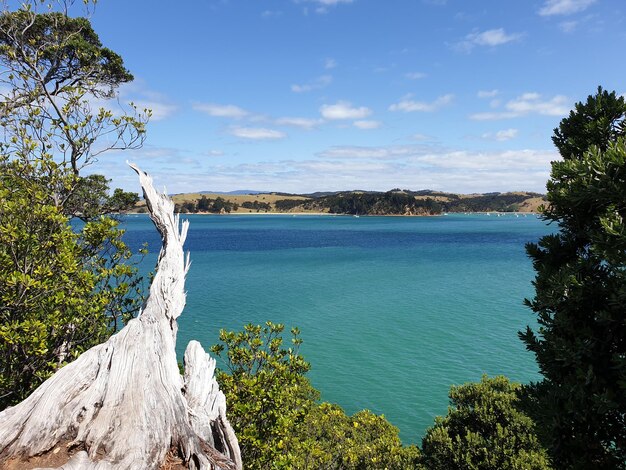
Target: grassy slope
(239, 199)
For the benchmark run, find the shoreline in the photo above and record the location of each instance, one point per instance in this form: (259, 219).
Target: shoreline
(329, 214)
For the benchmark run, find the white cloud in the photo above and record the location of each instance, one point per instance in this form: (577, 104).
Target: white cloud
(367, 124)
(528, 103)
(257, 133)
(159, 110)
(408, 105)
(506, 134)
(221, 110)
(302, 123)
(153, 152)
(568, 26)
(370, 153)
(322, 5)
(375, 168)
(332, 2)
(330, 63)
(532, 103)
(492, 161)
(344, 110)
(215, 153)
(501, 136)
(316, 84)
(339, 167)
(488, 93)
(493, 37)
(271, 14)
(415, 75)
(437, 157)
(489, 38)
(421, 137)
(493, 116)
(140, 96)
(564, 7)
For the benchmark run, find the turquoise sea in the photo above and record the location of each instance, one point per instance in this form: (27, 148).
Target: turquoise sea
(393, 310)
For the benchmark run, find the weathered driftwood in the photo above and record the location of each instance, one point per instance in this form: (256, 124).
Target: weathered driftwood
(123, 404)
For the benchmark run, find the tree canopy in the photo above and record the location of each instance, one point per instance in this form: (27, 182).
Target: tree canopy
(484, 429)
(597, 122)
(580, 292)
(278, 421)
(64, 286)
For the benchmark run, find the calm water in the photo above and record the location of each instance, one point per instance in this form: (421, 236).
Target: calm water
(393, 310)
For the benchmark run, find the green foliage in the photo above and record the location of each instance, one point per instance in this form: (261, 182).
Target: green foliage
(90, 198)
(272, 407)
(580, 298)
(484, 430)
(185, 208)
(287, 204)
(61, 291)
(406, 202)
(380, 204)
(330, 439)
(65, 48)
(54, 66)
(205, 204)
(256, 205)
(598, 122)
(493, 202)
(266, 390)
(63, 287)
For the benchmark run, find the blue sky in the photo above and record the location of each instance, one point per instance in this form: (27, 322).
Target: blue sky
(318, 95)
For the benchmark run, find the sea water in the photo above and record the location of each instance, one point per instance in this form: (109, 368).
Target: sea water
(392, 310)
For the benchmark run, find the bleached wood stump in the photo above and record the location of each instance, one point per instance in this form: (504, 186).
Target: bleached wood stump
(123, 404)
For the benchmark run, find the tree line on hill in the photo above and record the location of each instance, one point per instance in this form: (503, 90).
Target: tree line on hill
(389, 203)
(394, 202)
(65, 287)
(219, 205)
(405, 202)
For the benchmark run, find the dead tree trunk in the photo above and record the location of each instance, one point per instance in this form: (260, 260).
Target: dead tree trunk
(123, 404)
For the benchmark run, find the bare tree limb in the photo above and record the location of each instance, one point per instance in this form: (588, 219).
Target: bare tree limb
(123, 404)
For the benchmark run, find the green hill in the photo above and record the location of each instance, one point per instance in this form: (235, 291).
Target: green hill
(394, 202)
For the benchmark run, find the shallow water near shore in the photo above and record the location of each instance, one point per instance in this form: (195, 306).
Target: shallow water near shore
(393, 310)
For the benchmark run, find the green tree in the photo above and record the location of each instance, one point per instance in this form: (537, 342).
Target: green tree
(204, 204)
(266, 390)
(329, 439)
(61, 292)
(54, 67)
(580, 292)
(219, 204)
(484, 430)
(63, 287)
(273, 409)
(90, 198)
(597, 122)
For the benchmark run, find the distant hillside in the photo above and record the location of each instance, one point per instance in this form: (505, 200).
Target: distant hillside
(403, 202)
(394, 202)
(238, 192)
